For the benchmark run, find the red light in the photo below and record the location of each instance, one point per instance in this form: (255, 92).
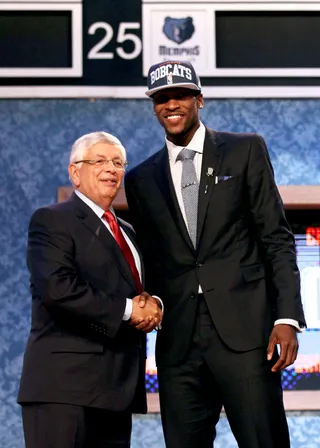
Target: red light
(313, 236)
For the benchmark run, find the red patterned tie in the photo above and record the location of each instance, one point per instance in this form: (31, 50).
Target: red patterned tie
(120, 239)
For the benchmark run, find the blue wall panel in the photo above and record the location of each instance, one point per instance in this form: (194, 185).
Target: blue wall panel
(35, 140)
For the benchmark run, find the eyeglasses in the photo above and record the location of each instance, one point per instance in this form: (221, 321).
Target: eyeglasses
(117, 163)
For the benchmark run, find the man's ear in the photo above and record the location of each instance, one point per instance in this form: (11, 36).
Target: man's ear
(200, 101)
(74, 175)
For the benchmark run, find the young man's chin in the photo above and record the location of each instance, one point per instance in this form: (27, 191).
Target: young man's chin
(175, 130)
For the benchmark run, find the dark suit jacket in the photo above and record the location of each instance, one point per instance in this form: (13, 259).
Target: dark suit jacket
(80, 351)
(245, 259)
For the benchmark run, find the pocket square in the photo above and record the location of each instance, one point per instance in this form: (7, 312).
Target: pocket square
(219, 179)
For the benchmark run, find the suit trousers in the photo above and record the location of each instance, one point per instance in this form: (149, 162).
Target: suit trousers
(54, 425)
(212, 375)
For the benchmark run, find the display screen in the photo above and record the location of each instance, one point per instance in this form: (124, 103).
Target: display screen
(305, 373)
(244, 39)
(33, 39)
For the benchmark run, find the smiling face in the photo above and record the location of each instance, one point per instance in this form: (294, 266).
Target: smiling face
(99, 183)
(177, 110)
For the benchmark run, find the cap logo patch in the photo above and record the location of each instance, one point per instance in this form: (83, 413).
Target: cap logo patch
(166, 70)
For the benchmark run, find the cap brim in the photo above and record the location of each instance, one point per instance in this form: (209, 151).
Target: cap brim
(186, 85)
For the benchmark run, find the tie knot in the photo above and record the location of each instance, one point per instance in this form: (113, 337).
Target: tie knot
(109, 216)
(186, 154)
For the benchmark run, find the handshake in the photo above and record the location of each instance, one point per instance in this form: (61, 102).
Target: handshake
(146, 312)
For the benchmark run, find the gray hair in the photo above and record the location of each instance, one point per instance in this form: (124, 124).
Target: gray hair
(81, 146)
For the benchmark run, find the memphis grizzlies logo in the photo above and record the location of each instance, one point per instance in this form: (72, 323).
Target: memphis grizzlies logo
(178, 30)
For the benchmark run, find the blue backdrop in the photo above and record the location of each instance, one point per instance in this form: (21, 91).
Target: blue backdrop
(35, 140)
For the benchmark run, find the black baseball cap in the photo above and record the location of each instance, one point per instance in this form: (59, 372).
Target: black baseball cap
(169, 74)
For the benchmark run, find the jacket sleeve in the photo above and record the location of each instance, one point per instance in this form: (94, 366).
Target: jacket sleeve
(273, 232)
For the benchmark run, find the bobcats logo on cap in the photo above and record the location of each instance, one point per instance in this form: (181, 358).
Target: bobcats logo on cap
(170, 70)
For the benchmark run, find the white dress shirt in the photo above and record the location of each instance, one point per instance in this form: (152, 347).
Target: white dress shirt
(197, 144)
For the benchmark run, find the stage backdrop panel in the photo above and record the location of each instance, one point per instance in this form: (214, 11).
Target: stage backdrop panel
(35, 140)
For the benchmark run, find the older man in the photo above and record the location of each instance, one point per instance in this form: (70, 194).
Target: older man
(83, 372)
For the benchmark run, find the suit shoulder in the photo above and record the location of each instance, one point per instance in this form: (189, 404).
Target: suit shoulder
(243, 143)
(51, 211)
(239, 137)
(142, 167)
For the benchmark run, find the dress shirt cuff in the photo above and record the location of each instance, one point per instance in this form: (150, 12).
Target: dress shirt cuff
(128, 310)
(292, 322)
(158, 327)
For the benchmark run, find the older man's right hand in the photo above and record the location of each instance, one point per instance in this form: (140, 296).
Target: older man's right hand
(146, 312)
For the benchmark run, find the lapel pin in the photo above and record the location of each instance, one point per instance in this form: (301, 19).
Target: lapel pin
(210, 171)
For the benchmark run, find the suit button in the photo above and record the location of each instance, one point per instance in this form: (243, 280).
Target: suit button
(193, 296)
(198, 264)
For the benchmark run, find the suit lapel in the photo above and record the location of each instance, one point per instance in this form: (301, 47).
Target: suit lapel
(96, 226)
(211, 160)
(162, 176)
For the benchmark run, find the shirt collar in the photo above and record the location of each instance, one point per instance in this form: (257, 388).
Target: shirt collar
(196, 144)
(94, 207)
